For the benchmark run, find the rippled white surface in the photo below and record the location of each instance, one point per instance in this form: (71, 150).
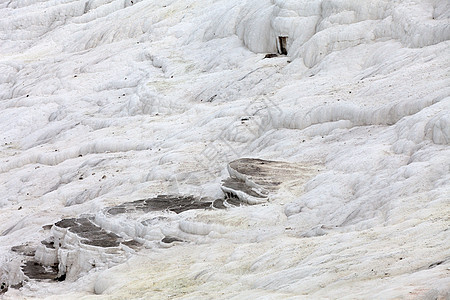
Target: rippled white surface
(103, 102)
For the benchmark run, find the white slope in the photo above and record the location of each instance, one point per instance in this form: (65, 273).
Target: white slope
(103, 102)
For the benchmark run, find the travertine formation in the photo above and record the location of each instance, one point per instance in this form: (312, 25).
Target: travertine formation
(252, 180)
(77, 245)
(172, 203)
(64, 254)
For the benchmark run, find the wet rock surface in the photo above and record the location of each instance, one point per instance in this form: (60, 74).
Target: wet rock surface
(90, 233)
(238, 185)
(26, 249)
(34, 270)
(31, 268)
(169, 240)
(177, 204)
(252, 180)
(132, 244)
(48, 244)
(267, 174)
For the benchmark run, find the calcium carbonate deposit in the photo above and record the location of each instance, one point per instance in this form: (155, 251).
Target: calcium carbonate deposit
(224, 149)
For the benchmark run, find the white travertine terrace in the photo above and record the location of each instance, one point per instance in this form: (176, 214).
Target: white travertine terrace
(104, 102)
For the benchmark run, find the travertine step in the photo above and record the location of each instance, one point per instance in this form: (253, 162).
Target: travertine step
(89, 233)
(172, 203)
(76, 245)
(34, 270)
(253, 180)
